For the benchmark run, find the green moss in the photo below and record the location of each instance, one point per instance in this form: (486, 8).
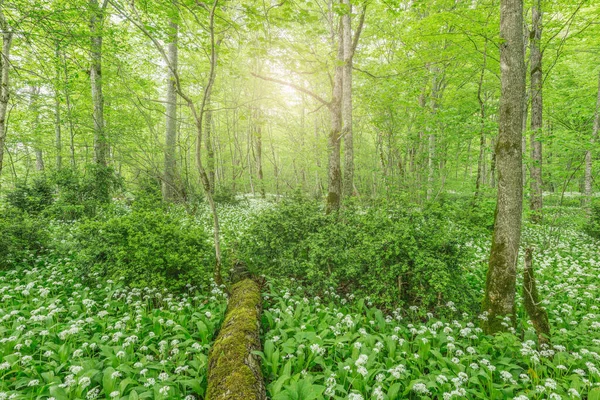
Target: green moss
(234, 372)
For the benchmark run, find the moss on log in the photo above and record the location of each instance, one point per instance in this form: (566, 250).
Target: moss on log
(233, 370)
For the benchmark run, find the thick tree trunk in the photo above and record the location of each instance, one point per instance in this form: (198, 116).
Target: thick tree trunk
(169, 183)
(100, 139)
(233, 369)
(499, 301)
(536, 115)
(4, 81)
(334, 173)
(589, 154)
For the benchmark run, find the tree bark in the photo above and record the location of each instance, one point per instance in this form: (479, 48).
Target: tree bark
(481, 161)
(334, 173)
(100, 139)
(169, 183)
(57, 120)
(536, 114)
(349, 45)
(589, 155)
(258, 152)
(208, 144)
(7, 36)
(536, 312)
(499, 300)
(233, 369)
(34, 111)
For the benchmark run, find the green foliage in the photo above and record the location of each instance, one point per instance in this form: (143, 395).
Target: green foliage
(145, 248)
(225, 195)
(31, 198)
(592, 228)
(394, 255)
(66, 194)
(357, 351)
(22, 236)
(134, 344)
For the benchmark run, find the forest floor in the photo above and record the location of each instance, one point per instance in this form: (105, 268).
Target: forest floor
(64, 339)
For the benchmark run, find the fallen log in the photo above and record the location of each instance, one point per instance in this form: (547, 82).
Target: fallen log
(233, 370)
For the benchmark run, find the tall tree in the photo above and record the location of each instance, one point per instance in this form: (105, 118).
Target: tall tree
(96, 36)
(499, 300)
(169, 183)
(57, 120)
(349, 44)
(334, 170)
(7, 36)
(589, 155)
(482, 140)
(536, 82)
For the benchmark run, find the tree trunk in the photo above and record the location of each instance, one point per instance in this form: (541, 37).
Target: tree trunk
(589, 154)
(208, 144)
(481, 161)
(233, 369)
(169, 183)
(7, 36)
(69, 114)
(536, 312)
(100, 139)
(334, 175)
(34, 111)
(258, 153)
(499, 301)
(57, 121)
(536, 115)
(347, 101)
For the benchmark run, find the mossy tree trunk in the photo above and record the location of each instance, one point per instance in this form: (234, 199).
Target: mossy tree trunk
(531, 298)
(499, 301)
(233, 370)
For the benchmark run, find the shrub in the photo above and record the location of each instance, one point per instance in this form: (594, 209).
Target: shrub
(31, 198)
(22, 236)
(394, 255)
(145, 248)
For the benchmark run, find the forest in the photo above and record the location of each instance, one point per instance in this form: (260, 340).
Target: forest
(299, 199)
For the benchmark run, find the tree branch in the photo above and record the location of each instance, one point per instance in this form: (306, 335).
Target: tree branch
(294, 86)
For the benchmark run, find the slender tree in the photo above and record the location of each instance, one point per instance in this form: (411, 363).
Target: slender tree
(96, 36)
(499, 300)
(535, 179)
(349, 44)
(169, 183)
(7, 36)
(589, 155)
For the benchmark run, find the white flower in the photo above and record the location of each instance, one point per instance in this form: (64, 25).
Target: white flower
(33, 382)
(84, 382)
(164, 390)
(420, 388)
(355, 396)
(114, 394)
(93, 393)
